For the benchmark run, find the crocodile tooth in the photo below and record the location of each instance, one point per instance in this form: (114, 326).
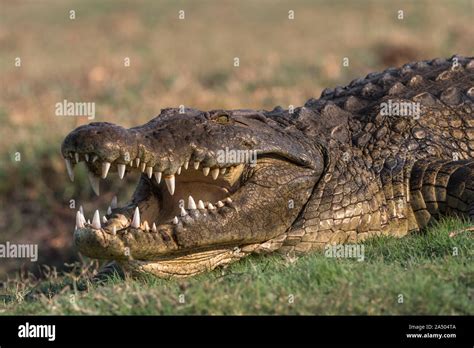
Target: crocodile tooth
(105, 169)
(70, 170)
(178, 171)
(109, 210)
(137, 162)
(87, 157)
(136, 218)
(170, 183)
(210, 206)
(142, 167)
(121, 170)
(94, 180)
(83, 218)
(186, 165)
(158, 177)
(96, 220)
(89, 221)
(222, 171)
(220, 204)
(95, 158)
(81, 209)
(191, 203)
(104, 219)
(76, 156)
(149, 172)
(146, 227)
(114, 230)
(229, 200)
(201, 205)
(175, 220)
(79, 221)
(183, 212)
(206, 170)
(113, 202)
(196, 165)
(215, 173)
(153, 228)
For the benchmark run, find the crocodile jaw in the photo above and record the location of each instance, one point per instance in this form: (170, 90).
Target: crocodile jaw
(190, 211)
(229, 223)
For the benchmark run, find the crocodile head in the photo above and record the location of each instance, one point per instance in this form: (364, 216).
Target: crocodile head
(213, 186)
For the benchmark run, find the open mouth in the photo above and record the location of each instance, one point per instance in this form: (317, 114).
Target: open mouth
(163, 201)
(212, 194)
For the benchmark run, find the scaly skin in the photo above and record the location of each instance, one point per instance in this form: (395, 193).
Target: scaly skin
(336, 170)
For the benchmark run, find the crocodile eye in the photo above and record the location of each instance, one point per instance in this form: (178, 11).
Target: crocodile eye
(223, 119)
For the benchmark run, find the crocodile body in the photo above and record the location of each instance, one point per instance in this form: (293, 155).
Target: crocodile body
(386, 154)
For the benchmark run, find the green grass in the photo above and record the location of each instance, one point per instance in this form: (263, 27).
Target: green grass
(432, 271)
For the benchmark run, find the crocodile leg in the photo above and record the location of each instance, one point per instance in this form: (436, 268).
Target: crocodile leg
(440, 188)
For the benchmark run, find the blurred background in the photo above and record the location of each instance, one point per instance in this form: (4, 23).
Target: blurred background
(176, 61)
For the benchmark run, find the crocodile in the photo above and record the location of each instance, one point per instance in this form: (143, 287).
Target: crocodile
(385, 155)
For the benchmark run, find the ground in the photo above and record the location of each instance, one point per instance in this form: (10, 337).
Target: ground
(425, 273)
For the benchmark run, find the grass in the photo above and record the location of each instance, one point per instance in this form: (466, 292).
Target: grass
(432, 271)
